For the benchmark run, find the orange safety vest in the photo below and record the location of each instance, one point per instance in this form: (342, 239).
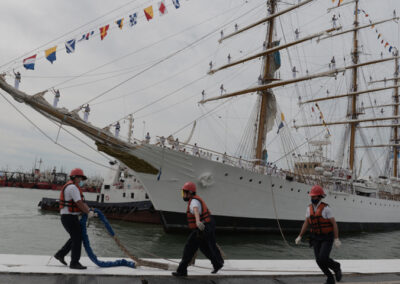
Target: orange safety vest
(70, 203)
(319, 225)
(205, 215)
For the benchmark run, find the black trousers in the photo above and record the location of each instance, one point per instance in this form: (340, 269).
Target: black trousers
(205, 241)
(322, 249)
(74, 244)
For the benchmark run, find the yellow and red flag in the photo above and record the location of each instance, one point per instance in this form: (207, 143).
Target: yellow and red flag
(148, 12)
(103, 31)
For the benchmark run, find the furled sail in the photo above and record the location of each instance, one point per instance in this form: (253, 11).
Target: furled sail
(271, 112)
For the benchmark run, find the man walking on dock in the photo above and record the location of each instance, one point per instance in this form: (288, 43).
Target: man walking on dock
(202, 236)
(324, 233)
(72, 204)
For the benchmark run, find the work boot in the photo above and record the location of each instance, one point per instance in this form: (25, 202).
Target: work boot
(60, 259)
(179, 274)
(338, 274)
(330, 280)
(77, 266)
(216, 269)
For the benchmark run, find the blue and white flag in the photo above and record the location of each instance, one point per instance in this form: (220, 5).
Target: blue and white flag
(176, 3)
(70, 46)
(133, 19)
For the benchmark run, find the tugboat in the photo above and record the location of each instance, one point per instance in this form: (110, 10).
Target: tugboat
(122, 197)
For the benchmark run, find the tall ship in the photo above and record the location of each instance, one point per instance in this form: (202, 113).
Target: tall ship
(246, 191)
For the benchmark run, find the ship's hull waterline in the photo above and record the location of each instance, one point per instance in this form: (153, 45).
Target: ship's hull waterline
(138, 211)
(243, 200)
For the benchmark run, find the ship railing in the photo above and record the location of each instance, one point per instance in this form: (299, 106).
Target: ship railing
(205, 153)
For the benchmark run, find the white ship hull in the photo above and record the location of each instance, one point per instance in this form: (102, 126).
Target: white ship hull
(244, 200)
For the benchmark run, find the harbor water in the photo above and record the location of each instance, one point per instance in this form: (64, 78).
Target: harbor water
(25, 229)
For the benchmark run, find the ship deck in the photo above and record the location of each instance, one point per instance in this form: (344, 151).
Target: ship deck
(34, 268)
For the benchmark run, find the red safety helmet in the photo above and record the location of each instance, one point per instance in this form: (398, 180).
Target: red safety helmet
(189, 186)
(77, 173)
(317, 190)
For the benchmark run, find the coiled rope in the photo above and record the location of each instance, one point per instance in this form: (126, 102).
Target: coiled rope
(89, 251)
(120, 262)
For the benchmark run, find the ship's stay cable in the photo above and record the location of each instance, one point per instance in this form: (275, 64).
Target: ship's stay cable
(51, 139)
(69, 32)
(171, 55)
(165, 96)
(232, 76)
(81, 140)
(147, 87)
(152, 85)
(201, 117)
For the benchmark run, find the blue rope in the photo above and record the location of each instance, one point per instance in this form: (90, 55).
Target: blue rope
(89, 251)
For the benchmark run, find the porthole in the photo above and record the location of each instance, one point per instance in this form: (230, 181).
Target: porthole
(280, 186)
(299, 190)
(273, 185)
(259, 182)
(291, 189)
(241, 178)
(335, 197)
(344, 198)
(226, 174)
(250, 180)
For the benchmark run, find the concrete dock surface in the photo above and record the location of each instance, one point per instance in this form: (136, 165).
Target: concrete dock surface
(45, 269)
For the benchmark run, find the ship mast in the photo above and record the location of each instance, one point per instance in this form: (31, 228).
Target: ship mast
(396, 113)
(267, 76)
(353, 125)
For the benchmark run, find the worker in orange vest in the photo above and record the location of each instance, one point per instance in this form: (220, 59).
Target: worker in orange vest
(324, 233)
(202, 236)
(72, 204)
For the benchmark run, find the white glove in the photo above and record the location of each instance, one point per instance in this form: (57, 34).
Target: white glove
(91, 214)
(337, 243)
(200, 225)
(298, 240)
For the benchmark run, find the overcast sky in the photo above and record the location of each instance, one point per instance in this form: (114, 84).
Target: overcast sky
(27, 25)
